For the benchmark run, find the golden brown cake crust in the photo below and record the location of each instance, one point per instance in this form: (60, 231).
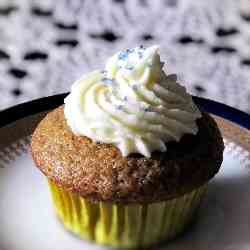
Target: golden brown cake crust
(99, 172)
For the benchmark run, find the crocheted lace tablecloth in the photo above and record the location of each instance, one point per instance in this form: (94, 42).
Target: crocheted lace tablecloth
(45, 45)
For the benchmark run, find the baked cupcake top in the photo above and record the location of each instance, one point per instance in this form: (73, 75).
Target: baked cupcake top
(99, 172)
(132, 104)
(128, 134)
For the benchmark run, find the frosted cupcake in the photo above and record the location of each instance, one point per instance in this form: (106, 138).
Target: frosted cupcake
(129, 155)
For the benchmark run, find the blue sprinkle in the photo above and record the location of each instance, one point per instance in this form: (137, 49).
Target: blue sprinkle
(140, 51)
(129, 67)
(125, 98)
(148, 109)
(119, 107)
(123, 55)
(107, 80)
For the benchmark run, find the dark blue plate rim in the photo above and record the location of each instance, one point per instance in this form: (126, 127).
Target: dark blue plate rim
(22, 110)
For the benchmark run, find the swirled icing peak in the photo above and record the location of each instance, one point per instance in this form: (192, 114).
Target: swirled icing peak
(132, 104)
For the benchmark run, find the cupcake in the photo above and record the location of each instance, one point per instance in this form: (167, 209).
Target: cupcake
(129, 155)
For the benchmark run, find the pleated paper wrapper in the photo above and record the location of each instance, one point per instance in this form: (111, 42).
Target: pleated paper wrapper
(125, 226)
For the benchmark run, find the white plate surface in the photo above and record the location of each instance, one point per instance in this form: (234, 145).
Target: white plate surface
(28, 222)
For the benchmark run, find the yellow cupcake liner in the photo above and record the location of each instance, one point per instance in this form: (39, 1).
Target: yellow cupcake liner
(125, 226)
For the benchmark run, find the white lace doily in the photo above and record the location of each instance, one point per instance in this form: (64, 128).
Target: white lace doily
(46, 45)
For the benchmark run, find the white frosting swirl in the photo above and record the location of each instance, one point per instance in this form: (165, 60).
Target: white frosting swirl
(132, 104)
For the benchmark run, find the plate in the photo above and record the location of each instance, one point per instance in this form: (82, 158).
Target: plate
(27, 218)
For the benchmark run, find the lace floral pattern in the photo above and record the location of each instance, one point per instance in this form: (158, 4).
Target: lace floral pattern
(46, 45)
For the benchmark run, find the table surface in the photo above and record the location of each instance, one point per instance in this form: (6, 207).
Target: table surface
(46, 45)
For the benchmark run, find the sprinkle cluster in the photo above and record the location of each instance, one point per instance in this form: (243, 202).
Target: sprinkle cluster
(124, 56)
